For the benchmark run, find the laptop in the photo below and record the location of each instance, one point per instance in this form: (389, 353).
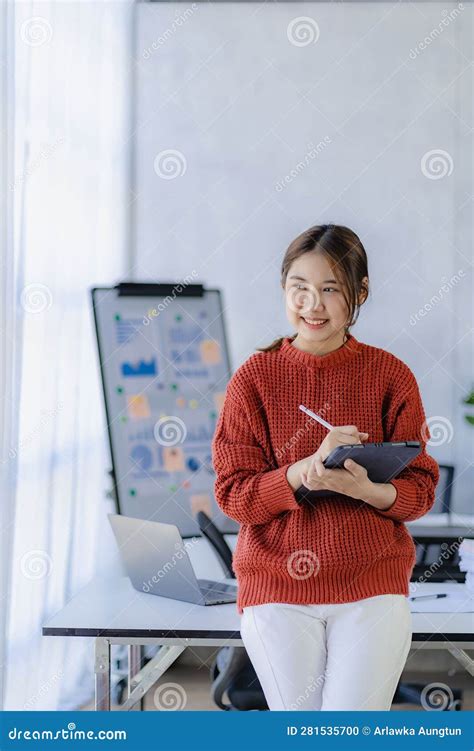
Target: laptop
(156, 560)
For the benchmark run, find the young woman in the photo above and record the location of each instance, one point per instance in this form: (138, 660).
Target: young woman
(322, 579)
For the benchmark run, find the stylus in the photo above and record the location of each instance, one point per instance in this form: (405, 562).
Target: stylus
(316, 417)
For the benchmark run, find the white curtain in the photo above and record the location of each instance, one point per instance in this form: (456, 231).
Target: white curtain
(9, 330)
(70, 189)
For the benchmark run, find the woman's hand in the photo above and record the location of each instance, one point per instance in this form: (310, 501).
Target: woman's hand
(341, 436)
(352, 480)
(314, 476)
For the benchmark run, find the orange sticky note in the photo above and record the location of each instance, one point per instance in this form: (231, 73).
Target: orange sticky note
(173, 459)
(210, 351)
(138, 406)
(201, 502)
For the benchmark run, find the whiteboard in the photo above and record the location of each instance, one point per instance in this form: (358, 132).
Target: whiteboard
(165, 366)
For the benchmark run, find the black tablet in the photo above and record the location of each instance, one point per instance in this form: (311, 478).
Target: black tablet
(383, 461)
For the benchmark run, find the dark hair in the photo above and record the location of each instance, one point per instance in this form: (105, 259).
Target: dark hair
(348, 259)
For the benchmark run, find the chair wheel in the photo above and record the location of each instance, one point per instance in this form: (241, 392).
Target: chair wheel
(119, 690)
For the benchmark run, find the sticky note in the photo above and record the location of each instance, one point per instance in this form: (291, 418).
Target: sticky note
(201, 502)
(210, 351)
(138, 406)
(173, 459)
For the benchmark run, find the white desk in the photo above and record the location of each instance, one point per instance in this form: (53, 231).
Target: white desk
(111, 611)
(465, 521)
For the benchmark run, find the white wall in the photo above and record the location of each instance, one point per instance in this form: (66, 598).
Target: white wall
(226, 88)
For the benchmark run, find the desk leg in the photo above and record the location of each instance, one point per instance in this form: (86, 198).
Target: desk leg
(463, 658)
(135, 659)
(149, 674)
(102, 674)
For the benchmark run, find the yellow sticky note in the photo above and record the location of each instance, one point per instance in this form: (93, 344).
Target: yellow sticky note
(201, 502)
(210, 351)
(173, 459)
(138, 406)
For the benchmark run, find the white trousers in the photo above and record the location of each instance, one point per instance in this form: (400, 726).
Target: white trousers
(348, 656)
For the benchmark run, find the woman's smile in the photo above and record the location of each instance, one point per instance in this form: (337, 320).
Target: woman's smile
(315, 323)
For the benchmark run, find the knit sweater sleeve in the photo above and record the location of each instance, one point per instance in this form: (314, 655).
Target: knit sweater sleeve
(248, 488)
(405, 421)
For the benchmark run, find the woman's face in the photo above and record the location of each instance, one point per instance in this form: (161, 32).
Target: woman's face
(313, 294)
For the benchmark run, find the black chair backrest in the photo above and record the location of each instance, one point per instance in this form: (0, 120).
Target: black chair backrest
(443, 493)
(218, 543)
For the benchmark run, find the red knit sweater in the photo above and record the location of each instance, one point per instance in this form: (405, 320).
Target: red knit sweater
(332, 549)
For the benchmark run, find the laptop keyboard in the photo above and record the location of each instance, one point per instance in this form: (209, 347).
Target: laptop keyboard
(213, 587)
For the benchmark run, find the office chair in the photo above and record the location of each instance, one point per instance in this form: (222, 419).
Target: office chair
(232, 671)
(218, 543)
(444, 490)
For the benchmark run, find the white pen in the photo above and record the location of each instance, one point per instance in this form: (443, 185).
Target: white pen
(316, 417)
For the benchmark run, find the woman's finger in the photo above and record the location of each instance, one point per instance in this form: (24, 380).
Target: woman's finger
(350, 431)
(311, 477)
(347, 429)
(306, 481)
(350, 465)
(310, 472)
(319, 466)
(310, 481)
(345, 440)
